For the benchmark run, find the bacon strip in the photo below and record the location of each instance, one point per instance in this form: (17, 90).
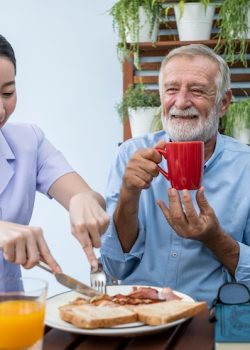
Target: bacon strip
(139, 295)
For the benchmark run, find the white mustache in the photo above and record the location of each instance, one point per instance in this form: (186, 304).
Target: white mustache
(192, 111)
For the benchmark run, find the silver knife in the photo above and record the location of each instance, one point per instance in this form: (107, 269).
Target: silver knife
(71, 282)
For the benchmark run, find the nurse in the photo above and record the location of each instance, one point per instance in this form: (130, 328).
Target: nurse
(30, 163)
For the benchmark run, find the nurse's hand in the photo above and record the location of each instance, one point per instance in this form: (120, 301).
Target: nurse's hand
(25, 245)
(88, 221)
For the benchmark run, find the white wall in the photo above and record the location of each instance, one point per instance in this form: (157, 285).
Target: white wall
(68, 81)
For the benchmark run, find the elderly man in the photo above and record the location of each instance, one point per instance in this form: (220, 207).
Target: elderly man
(192, 241)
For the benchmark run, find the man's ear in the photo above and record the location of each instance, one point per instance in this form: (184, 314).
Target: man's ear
(225, 103)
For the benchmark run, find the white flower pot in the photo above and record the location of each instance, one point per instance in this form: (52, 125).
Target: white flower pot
(140, 120)
(195, 22)
(144, 30)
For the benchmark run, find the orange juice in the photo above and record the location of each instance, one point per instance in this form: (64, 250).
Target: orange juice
(21, 323)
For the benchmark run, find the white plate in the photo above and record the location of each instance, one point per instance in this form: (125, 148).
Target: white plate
(129, 329)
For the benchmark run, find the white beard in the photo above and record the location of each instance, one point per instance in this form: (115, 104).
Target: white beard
(188, 129)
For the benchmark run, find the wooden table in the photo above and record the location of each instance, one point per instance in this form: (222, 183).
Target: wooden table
(194, 334)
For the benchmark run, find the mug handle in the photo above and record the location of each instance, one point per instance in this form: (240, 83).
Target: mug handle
(163, 152)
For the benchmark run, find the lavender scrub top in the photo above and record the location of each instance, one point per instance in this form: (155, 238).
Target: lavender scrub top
(28, 163)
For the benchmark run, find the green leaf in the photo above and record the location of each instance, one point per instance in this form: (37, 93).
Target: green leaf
(237, 116)
(137, 96)
(125, 15)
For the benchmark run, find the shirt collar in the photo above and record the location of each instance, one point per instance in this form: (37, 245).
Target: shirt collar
(219, 148)
(5, 150)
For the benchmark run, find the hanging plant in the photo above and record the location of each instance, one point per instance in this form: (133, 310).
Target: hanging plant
(236, 117)
(126, 20)
(233, 29)
(181, 4)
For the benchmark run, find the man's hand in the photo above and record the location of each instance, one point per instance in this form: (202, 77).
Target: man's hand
(204, 226)
(141, 169)
(88, 221)
(183, 218)
(25, 245)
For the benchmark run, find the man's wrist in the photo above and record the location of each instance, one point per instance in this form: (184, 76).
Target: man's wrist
(225, 248)
(213, 237)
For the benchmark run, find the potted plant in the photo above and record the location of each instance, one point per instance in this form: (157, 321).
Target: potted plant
(136, 21)
(194, 19)
(140, 106)
(233, 30)
(236, 121)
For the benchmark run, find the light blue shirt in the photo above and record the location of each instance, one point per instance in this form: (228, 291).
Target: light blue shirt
(159, 256)
(28, 163)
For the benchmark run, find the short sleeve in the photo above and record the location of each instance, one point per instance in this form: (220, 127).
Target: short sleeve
(51, 164)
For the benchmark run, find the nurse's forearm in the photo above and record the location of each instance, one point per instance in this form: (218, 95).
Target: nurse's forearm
(126, 218)
(68, 185)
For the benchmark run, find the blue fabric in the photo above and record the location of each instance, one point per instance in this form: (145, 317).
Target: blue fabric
(28, 163)
(232, 323)
(160, 257)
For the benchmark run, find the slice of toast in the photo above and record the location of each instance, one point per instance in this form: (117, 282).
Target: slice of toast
(90, 316)
(169, 311)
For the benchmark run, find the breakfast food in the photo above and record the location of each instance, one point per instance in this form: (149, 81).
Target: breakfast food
(138, 296)
(157, 314)
(143, 304)
(91, 316)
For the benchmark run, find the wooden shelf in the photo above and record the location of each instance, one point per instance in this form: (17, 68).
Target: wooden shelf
(169, 45)
(163, 45)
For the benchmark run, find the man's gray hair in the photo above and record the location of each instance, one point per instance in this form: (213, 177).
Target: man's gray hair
(222, 80)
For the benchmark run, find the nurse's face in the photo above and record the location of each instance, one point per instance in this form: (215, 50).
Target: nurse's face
(7, 89)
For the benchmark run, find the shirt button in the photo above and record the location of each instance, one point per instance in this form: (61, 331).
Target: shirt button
(174, 254)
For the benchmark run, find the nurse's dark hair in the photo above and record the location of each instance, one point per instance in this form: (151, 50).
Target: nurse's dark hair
(7, 51)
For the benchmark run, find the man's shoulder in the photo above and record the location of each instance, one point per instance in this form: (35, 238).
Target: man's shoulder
(233, 145)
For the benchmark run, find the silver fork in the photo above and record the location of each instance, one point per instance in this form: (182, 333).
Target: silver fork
(98, 279)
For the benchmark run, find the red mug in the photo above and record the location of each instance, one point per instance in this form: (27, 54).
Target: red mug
(185, 162)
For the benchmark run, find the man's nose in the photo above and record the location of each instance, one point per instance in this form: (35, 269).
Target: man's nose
(182, 100)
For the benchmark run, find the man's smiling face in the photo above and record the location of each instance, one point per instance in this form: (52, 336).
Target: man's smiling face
(189, 94)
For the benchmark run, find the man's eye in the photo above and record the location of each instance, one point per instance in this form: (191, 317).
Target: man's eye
(172, 89)
(197, 92)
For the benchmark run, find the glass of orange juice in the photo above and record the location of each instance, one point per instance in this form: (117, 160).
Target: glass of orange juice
(22, 312)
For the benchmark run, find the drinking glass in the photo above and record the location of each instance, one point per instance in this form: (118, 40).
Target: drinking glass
(22, 312)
